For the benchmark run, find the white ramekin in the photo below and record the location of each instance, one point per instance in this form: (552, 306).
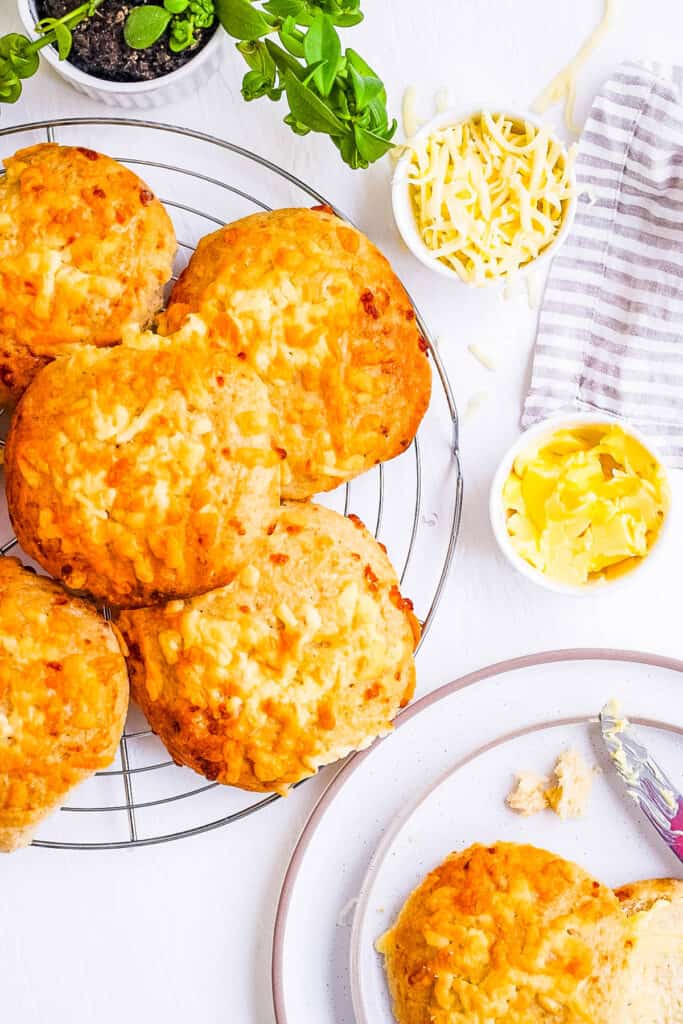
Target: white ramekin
(171, 88)
(403, 208)
(547, 427)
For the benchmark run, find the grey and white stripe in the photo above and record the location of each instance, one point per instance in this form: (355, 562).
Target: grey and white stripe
(610, 334)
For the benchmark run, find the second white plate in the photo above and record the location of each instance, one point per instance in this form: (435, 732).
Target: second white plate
(437, 784)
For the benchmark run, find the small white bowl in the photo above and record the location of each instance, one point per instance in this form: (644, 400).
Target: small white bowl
(172, 88)
(404, 214)
(497, 509)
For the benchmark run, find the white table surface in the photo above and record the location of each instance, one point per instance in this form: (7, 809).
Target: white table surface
(183, 931)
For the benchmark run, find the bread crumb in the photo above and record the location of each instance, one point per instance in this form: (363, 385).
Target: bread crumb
(574, 780)
(527, 795)
(567, 793)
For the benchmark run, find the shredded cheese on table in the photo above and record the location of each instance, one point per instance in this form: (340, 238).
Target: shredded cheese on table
(489, 194)
(409, 112)
(484, 357)
(474, 404)
(563, 85)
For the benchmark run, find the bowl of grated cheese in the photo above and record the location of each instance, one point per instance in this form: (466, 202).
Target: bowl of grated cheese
(484, 197)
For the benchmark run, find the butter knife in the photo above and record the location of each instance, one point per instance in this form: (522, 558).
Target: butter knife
(645, 781)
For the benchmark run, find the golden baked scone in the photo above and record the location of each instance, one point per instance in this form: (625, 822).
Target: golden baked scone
(85, 249)
(304, 657)
(507, 933)
(651, 991)
(63, 698)
(143, 471)
(315, 308)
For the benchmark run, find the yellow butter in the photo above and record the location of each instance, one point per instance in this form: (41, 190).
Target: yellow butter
(585, 504)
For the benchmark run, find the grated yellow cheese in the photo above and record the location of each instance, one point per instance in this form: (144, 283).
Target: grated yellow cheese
(409, 114)
(487, 359)
(441, 100)
(489, 194)
(563, 85)
(474, 404)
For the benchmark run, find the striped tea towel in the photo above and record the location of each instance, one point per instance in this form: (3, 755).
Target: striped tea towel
(610, 335)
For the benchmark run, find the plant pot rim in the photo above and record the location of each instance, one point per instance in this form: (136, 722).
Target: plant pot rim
(27, 14)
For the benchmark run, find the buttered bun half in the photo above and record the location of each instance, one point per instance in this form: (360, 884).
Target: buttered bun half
(652, 987)
(63, 698)
(314, 308)
(85, 250)
(304, 657)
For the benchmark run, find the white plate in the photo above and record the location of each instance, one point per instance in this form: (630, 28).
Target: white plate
(438, 784)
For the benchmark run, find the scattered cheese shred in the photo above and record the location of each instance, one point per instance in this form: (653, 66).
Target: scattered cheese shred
(441, 100)
(409, 112)
(563, 85)
(486, 359)
(474, 404)
(489, 194)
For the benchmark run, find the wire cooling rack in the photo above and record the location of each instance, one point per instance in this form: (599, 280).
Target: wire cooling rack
(412, 503)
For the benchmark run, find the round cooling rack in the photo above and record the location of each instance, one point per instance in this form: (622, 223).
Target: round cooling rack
(412, 504)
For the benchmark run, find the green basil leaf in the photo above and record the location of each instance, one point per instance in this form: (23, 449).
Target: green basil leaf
(340, 103)
(289, 40)
(241, 19)
(254, 85)
(17, 49)
(357, 62)
(284, 8)
(370, 146)
(64, 39)
(182, 35)
(309, 75)
(176, 6)
(259, 59)
(349, 151)
(321, 43)
(307, 108)
(10, 86)
(145, 25)
(365, 88)
(296, 126)
(283, 60)
(252, 54)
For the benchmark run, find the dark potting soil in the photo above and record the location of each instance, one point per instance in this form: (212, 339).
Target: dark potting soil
(100, 49)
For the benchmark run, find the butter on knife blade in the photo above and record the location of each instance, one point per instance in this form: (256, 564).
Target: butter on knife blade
(645, 781)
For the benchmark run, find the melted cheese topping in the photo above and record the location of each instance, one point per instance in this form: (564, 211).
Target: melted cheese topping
(489, 194)
(505, 933)
(585, 505)
(305, 656)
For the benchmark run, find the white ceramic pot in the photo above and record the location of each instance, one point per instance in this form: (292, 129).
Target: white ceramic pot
(546, 428)
(171, 88)
(403, 206)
